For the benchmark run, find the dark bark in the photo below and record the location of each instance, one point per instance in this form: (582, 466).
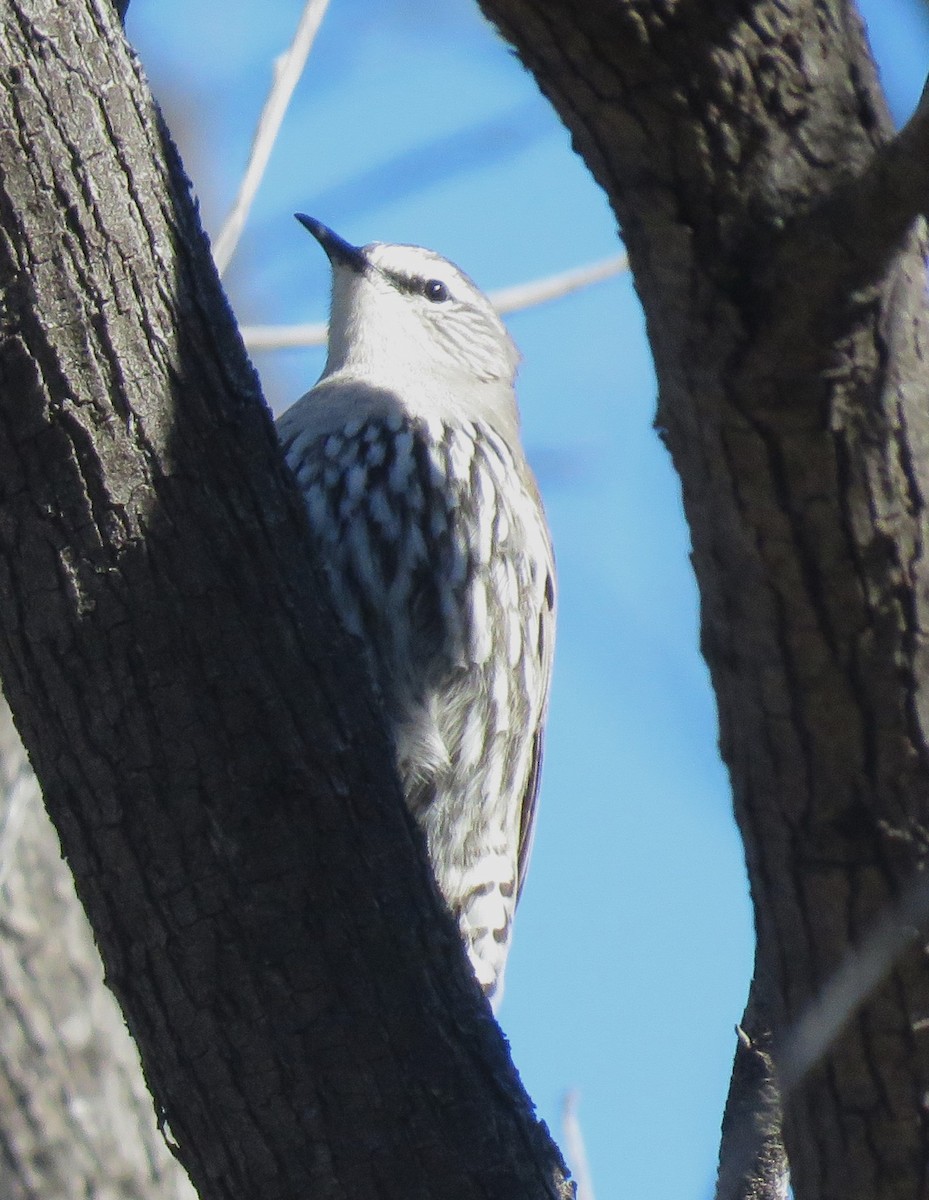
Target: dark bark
(206, 742)
(771, 226)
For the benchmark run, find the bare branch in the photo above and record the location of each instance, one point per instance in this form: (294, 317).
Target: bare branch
(288, 68)
(752, 1159)
(284, 337)
(885, 201)
(505, 300)
(575, 1150)
(846, 240)
(857, 978)
(553, 287)
(907, 164)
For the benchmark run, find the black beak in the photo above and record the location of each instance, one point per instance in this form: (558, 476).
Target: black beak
(338, 250)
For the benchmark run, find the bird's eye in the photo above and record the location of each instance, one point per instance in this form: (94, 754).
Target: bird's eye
(435, 290)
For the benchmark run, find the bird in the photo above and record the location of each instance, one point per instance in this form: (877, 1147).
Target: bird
(438, 557)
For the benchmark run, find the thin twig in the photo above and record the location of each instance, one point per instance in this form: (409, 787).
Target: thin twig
(862, 971)
(505, 300)
(288, 68)
(752, 1159)
(552, 287)
(574, 1146)
(284, 337)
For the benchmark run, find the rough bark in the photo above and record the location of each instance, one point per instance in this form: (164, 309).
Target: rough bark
(75, 1116)
(771, 224)
(752, 1159)
(207, 744)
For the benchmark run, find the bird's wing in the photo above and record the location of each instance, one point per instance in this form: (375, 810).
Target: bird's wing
(546, 646)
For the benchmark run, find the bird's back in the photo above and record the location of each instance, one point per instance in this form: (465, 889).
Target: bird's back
(439, 561)
(432, 534)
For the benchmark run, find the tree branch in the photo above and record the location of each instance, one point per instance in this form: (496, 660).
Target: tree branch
(798, 418)
(752, 1161)
(825, 263)
(575, 1147)
(207, 742)
(515, 298)
(287, 71)
(75, 1117)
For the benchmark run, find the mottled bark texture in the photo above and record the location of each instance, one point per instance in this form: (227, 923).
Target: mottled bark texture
(207, 744)
(772, 225)
(75, 1116)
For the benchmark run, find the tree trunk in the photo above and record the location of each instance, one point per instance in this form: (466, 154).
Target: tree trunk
(299, 997)
(75, 1116)
(771, 223)
(207, 744)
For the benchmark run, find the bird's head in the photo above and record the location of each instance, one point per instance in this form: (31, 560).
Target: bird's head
(405, 317)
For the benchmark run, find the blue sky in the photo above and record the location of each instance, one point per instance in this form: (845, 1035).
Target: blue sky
(414, 123)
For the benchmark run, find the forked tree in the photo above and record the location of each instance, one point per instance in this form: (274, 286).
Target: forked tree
(204, 736)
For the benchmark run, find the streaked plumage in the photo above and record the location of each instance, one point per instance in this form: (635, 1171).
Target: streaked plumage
(430, 526)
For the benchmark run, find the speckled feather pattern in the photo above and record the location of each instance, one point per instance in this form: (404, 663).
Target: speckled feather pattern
(429, 524)
(438, 559)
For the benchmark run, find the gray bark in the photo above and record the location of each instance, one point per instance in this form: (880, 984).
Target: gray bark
(75, 1116)
(772, 222)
